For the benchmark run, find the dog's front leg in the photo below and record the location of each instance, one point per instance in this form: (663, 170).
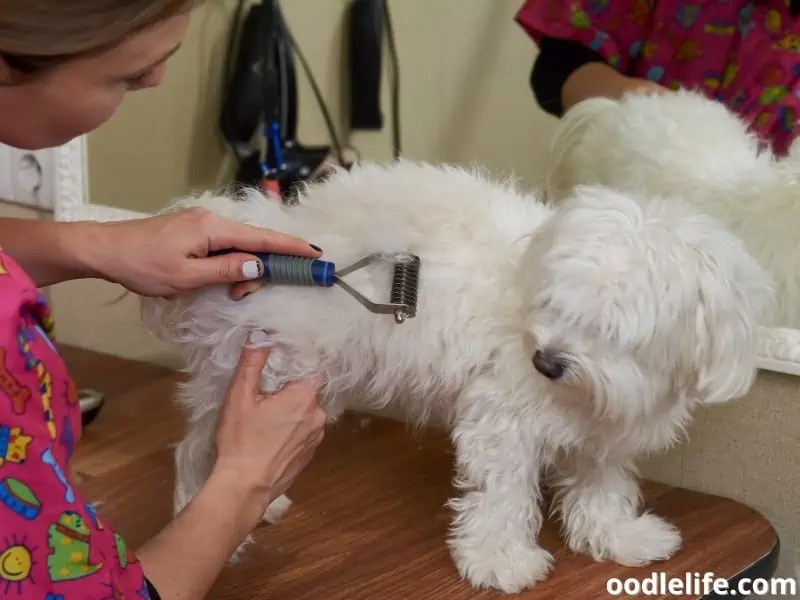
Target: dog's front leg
(497, 519)
(600, 509)
(194, 458)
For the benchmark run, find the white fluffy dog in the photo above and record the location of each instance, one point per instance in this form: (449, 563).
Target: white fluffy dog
(553, 342)
(683, 144)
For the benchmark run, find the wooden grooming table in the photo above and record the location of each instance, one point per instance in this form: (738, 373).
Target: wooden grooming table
(368, 520)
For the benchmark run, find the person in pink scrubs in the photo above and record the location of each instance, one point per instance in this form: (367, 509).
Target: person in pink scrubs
(65, 67)
(741, 53)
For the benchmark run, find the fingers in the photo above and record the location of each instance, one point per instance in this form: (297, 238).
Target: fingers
(230, 234)
(242, 289)
(241, 266)
(301, 399)
(252, 361)
(304, 391)
(230, 268)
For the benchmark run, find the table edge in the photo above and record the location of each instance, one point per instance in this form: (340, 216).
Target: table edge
(761, 568)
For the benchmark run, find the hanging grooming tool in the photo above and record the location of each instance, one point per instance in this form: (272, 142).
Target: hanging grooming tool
(260, 89)
(365, 62)
(282, 269)
(274, 102)
(369, 23)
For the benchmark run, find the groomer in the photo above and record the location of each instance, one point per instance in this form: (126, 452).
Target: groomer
(65, 67)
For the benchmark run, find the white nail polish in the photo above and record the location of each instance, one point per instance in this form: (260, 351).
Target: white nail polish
(258, 339)
(251, 269)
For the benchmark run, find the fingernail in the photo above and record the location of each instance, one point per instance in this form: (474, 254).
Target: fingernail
(252, 269)
(258, 339)
(243, 289)
(317, 248)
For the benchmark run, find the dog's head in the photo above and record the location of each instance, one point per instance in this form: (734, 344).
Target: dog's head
(636, 304)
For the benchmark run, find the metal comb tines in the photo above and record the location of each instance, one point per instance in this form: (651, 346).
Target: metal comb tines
(405, 285)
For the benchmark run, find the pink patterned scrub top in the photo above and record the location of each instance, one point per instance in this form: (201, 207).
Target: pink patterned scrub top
(53, 545)
(743, 53)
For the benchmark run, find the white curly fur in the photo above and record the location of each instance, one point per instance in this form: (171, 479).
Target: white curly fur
(685, 145)
(649, 307)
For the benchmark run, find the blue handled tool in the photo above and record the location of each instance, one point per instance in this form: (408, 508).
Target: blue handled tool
(284, 269)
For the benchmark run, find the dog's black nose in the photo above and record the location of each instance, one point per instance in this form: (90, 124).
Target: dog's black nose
(548, 365)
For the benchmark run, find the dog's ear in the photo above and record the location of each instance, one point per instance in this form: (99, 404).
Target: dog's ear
(734, 294)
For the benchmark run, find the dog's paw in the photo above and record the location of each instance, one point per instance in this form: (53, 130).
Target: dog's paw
(276, 509)
(505, 565)
(633, 542)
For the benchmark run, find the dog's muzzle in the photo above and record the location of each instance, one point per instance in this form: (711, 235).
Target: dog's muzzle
(549, 364)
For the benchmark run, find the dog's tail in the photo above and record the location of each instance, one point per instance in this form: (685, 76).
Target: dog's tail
(567, 137)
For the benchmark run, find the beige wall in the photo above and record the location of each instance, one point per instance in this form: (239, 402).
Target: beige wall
(750, 451)
(465, 98)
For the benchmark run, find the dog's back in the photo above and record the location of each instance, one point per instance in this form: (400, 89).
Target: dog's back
(468, 233)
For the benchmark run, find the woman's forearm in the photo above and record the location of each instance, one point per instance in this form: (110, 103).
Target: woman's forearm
(185, 559)
(598, 79)
(50, 251)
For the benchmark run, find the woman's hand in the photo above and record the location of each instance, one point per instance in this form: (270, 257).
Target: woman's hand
(265, 441)
(635, 85)
(167, 255)
(597, 79)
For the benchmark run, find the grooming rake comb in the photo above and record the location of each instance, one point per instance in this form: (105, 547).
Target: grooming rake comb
(284, 269)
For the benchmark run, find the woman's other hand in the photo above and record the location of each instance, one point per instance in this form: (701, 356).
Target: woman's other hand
(635, 85)
(167, 255)
(600, 80)
(264, 441)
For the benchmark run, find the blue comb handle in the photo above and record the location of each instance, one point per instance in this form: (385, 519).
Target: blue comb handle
(297, 270)
(285, 269)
